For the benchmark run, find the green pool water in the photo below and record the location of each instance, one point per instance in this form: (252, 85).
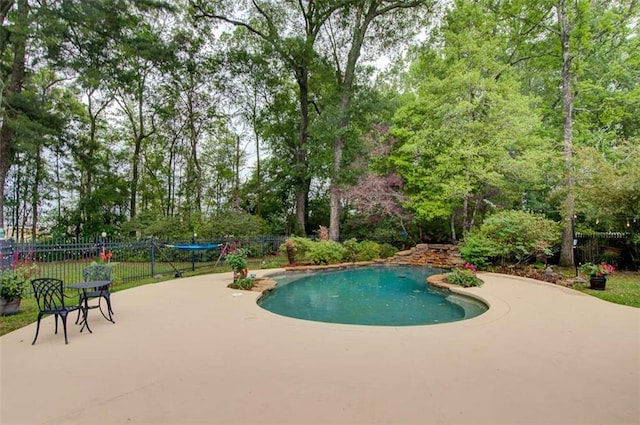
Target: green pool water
(376, 295)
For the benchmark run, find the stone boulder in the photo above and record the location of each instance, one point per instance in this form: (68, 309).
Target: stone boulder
(434, 255)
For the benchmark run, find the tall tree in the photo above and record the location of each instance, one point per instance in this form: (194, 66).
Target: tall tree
(14, 37)
(564, 38)
(466, 134)
(85, 40)
(141, 60)
(396, 17)
(290, 33)
(568, 210)
(191, 98)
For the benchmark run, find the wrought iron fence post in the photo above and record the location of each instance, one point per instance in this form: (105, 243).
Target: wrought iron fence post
(7, 248)
(153, 257)
(193, 252)
(574, 244)
(103, 235)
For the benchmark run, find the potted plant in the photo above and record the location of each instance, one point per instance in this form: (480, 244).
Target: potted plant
(597, 274)
(238, 261)
(13, 282)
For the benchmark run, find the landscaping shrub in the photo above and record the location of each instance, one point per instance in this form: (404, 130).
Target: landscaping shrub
(369, 250)
(326, 252)
(352, 250)
(300, 245)
(330, 252)
(479, 249)
(510, 236)
(387, 250)
(465, 277)
(244, 283)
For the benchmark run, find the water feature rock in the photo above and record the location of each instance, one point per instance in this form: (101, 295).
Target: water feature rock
(433, 255)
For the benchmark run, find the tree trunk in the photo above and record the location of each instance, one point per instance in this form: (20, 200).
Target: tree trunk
(5, 164)
(465, 214)
(566, 252)
(139, 136)
(135, 176)
(35, 194)
(193, 139)
(253, 116)
(300, 166)
(452, 223)
(360, 29)
(236, 178)
(17, 76)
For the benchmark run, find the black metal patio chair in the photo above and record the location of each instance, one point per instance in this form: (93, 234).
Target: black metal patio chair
(49, 293)
(95, 273)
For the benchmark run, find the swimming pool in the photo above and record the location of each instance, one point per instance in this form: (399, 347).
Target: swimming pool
(373, 295)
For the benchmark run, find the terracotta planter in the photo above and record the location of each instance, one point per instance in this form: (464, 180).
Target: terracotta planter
(8, 307)
(598, 283)
(291, 255)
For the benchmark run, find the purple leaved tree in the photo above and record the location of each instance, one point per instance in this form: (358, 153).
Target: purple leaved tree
(378, 197)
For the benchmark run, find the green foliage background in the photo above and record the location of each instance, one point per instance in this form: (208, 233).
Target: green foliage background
(153, 118)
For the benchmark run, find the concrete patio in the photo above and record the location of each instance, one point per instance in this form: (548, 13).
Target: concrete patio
(193, 351)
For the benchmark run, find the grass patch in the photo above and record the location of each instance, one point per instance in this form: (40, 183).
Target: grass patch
(622, 288)
(28, 314)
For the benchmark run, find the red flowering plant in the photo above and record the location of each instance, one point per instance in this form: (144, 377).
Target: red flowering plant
(597, 270)
(471, 267)
(105, 257)
(14, 280)
(100, 269)
(464, 277)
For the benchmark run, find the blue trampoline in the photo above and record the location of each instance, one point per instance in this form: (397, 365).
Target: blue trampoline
(193, 247)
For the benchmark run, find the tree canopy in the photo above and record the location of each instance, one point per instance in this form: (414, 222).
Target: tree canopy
(404, 120)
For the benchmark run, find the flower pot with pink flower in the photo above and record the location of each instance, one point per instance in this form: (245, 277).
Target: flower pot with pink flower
(597, 274)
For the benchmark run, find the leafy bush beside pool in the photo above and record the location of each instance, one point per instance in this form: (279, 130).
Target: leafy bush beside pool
(510, 237)
(330, 252)
(465, 277)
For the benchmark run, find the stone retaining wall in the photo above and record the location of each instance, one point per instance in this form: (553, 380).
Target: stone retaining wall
(435, 255)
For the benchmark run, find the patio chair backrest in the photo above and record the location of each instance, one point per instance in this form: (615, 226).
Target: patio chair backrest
(96, 272)
(49, 293)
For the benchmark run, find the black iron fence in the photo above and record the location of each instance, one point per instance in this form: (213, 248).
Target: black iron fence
(131, 259)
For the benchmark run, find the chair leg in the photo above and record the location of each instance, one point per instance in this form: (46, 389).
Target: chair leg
(80, 301)
(37, 328)
(106, 298)
(56, 319)
(63, 317)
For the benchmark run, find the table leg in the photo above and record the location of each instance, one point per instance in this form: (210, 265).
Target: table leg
(85, 312)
